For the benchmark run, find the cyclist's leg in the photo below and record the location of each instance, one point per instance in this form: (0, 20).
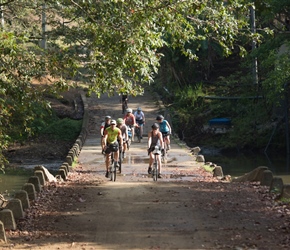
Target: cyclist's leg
(133, 132)
(159, 166)
(116, 155)
(166, 141)
(141, 130)
(151, 159)
(108, 160)
(124, 148)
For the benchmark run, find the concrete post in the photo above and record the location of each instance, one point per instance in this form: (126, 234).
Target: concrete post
(2, 232)
(40, 176)
(15, 206)
(6, 216)
(30, 189)
(23, 196)
(35, 181)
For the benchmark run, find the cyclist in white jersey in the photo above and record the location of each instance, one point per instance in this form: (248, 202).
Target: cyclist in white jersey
(124, 131)
(105, 124)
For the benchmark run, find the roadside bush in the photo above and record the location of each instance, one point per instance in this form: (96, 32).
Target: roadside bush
(63, 129)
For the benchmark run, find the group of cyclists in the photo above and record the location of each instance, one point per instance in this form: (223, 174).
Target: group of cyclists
(115, 136)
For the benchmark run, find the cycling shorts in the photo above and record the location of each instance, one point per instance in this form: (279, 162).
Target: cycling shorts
(139, 122)
(152, 147)
(113, 147)
(164, 134)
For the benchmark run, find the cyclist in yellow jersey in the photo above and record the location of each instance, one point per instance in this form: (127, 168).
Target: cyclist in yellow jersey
(110, 143)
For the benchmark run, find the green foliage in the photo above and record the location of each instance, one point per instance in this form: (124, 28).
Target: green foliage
(285, 201)
(118, 45)
(208, 168)
(63, 129)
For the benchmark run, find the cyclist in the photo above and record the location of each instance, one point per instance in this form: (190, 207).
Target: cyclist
(130, 121)
(105, 124)
(110, 144)
(155, 139)
(165, 129)
(124, 101)
(140, 120)
(125, 136)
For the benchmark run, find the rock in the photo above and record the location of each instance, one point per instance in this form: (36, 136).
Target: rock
(195, 150)
(200, 158)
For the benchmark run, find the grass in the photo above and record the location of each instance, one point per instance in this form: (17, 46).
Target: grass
(63, 129)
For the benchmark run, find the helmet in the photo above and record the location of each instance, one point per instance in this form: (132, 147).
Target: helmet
(129, 110)
(139, 109)
(120, 121)
(159, 117)
(108, 118)
(113, 122)
(155, 126)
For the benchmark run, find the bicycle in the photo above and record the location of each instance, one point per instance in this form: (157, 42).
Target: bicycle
(113, 169)
(120, 158)
(138, 132)
(155, 169)
(164, 156)
(129, 138)
(164, 152)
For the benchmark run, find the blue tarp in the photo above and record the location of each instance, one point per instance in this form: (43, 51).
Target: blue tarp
(219, 122)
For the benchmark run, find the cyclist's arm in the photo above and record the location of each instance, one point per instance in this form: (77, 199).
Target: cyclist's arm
(161, 139)
(149, 139)
(134, 121)
(104, 139)
(169, 127)
(120, 137)
(102, 131)
(126, 134)
(102, 128)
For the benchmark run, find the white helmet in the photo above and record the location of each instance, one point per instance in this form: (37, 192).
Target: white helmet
(129, 110)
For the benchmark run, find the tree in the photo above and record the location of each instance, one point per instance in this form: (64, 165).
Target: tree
(123, 38)
(112, 45)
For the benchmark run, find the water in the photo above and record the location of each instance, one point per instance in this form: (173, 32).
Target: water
(14, 179)
(9, 184)
(239, 164)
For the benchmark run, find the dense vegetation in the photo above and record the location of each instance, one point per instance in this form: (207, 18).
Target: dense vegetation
(187, 50)
(219, 86)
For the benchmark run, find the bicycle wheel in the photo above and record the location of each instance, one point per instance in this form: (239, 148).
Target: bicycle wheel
(129, 143)
(112, 158)
(113, 172)
(120, 160)
(164, 156)
(137, 131)
(155, 171)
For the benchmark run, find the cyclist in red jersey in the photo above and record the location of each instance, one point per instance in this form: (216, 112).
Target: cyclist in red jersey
(130, 121)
